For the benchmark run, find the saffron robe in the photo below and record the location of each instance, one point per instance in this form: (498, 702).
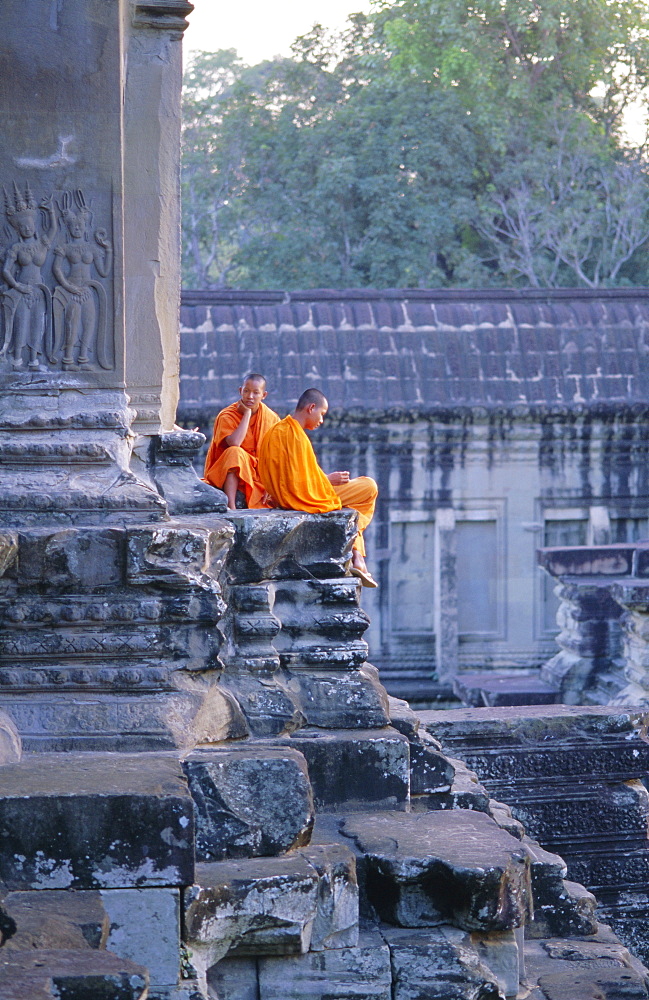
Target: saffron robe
(290, 473)
(242, 459)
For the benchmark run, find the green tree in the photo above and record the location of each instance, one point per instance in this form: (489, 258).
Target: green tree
(430, 144)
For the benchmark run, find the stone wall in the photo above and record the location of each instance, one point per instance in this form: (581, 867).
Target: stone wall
(518, 414)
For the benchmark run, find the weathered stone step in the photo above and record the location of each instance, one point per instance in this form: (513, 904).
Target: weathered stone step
(87, 821)
(591, 984)
(609, 869)
(74, 975)
(600, 963)
(488, 688)
(426, 869)
(251, 800)
(307, 900)
(590, 817)
(356, 770)
(512, 747)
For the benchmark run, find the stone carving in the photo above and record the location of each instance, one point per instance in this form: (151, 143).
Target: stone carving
(27, 304)
(55, 310)
(79, 302)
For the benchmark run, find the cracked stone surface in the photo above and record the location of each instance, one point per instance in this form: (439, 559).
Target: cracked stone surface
(426, 869)
(249, 801)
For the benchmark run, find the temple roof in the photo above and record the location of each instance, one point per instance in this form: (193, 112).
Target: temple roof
(420, 349)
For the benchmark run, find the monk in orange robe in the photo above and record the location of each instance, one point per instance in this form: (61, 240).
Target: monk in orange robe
(231, 462)
(290, 473)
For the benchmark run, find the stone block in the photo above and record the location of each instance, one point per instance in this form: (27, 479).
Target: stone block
(356, 770)
(502, 953)
(618, 812)
(560, 907)
(145, 928)
(403, 719)
(276, 545)
(465, 792)
(70, 975)
(427, 869)
(179, 554)
(87, 821)
(249, 801)
(430, 770)
(360, 973)
(252, 907)
(336, 919)
(600, 951)
(234, 979)
(587, 560)
(502, 814)
(171, 468)
(353, 699)
(269, 707)
(441, 964)
(515, 746)
(57, 919)
(128, 721)
(71, 559)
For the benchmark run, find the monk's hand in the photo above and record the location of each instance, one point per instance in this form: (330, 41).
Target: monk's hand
(338, 478)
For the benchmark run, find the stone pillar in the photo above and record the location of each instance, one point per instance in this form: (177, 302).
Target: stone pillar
(445, 595)
(152, 119)
(90, 245)
(108, 609)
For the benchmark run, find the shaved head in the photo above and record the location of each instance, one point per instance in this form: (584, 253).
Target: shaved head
(310, 396)
(253, 377)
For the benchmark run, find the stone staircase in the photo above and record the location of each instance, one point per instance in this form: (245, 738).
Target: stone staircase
(574, 777)
(251, 870)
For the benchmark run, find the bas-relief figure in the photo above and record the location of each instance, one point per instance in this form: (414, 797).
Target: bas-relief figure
(63, 324)
(27, 304)
(79, 305)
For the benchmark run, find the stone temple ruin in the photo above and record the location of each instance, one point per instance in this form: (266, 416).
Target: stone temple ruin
(205, 791)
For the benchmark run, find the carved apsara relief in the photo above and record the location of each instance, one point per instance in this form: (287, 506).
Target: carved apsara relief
(54, 304)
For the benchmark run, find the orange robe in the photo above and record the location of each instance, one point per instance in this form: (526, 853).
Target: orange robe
(242, 459)
(290, 472)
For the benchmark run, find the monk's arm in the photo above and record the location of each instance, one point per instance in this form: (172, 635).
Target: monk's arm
(234, 439)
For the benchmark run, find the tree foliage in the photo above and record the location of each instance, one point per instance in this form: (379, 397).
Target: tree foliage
(431, 144)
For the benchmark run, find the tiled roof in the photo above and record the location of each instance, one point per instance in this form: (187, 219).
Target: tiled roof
(420, 349)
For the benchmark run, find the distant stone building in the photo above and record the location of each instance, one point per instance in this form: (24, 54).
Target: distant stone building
(494, 421)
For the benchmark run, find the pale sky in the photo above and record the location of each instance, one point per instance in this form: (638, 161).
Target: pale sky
(261, 29)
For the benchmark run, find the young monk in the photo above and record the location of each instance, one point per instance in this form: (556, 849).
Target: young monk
(231, 462)
(289, 471)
